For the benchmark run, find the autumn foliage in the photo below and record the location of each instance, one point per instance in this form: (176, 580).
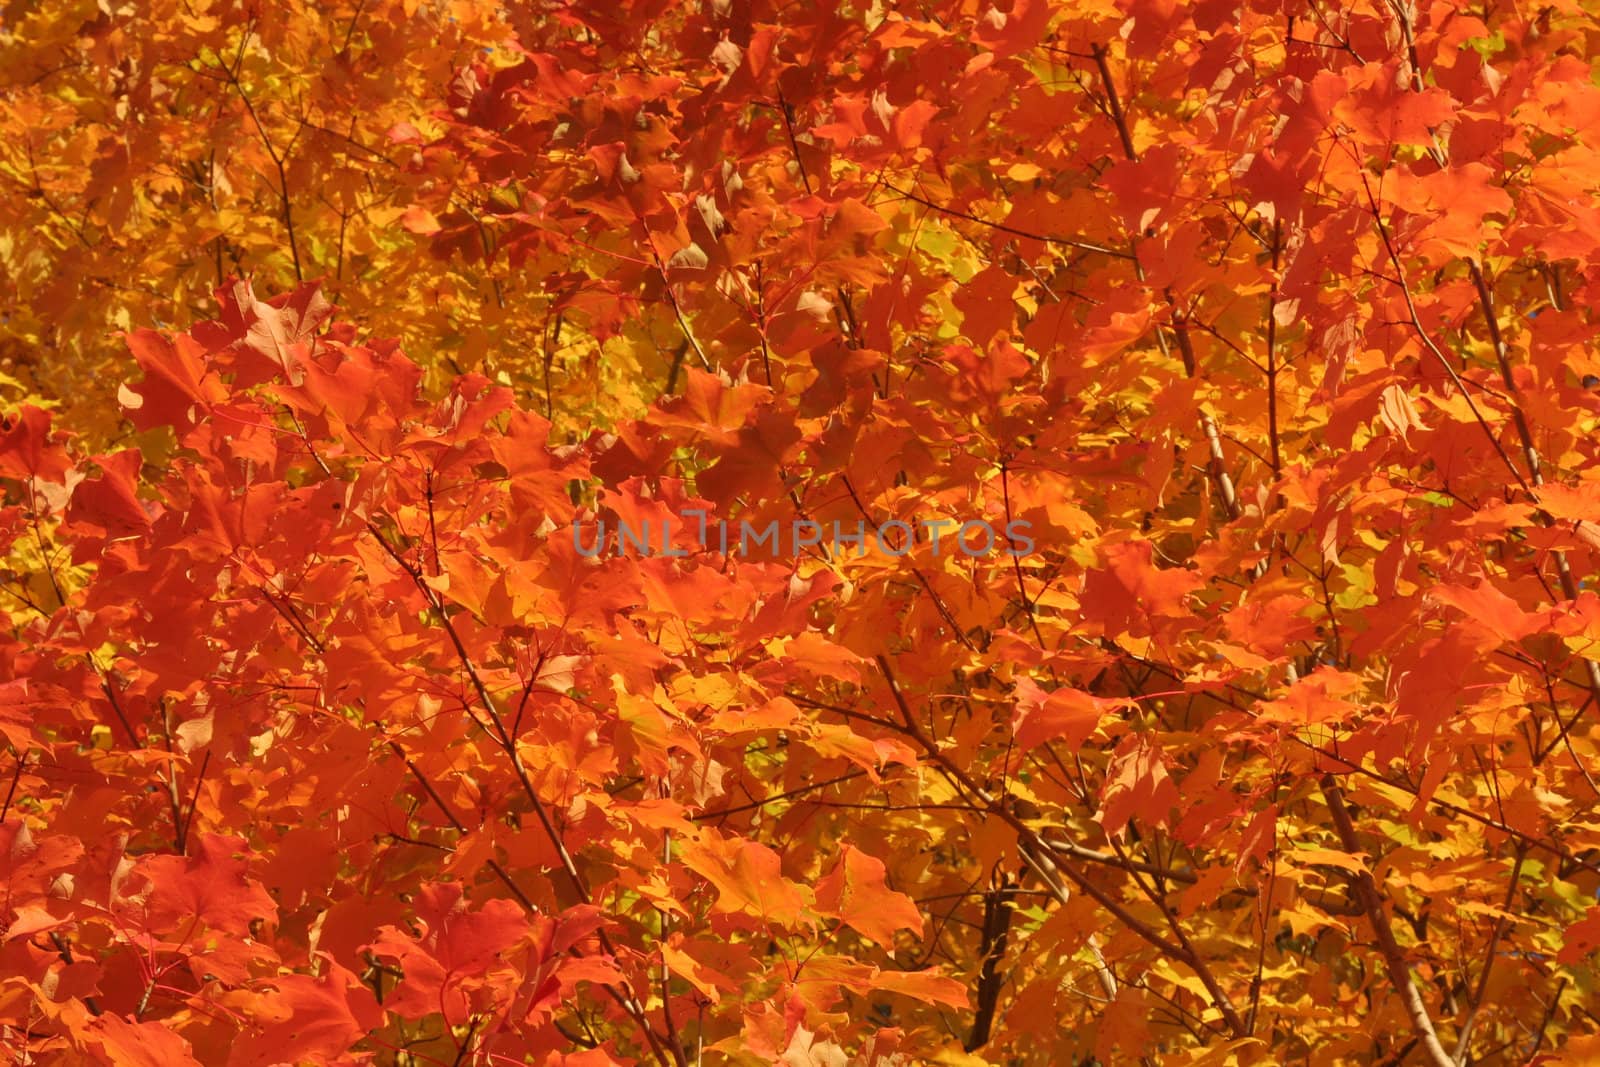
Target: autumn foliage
(325, 743)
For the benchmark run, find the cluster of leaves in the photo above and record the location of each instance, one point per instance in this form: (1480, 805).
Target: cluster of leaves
(152, 150)
(1272, 320)
(348, 638)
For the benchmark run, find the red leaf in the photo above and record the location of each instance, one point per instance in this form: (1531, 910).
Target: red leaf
(209, 886)
(26, 449)
(1580, 939)
(177, 387)
(456, 946)
(929, 986)
(1487, 608)
(1068, 715)
(1136, 785)
(109, 505)
(308, 1019)
(1131, 591)
(419, 219)
(140, 1044)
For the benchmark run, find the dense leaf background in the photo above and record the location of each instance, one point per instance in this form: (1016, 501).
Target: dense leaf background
(324, 323)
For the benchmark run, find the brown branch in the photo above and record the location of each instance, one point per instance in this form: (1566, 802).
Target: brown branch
(1216, 466)
(624, 996)
(1530, 454)
(787, 111)
(1352, 767)
(922, 579)
(1034, 851)
(1000, 227)
(1366, 892)
(279, 160)
(997, 915)
(677, 309)
(456, 824)
(64, 949)
(1272, 353)
(116, 706)
(1113, 102)
(16, 776)
(1500, 925)
(722, 813)
(194, 803)
(1549, 1013)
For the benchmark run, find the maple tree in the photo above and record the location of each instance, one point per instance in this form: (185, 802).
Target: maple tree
(329, 744)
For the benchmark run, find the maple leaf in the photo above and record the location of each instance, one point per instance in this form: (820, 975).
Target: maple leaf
(139, 1044)
(109, 505)
(748, 878)
(29, 450)
(710, 983)
(1068, 715)
(807, 1050)
(177, 387)
(31, 868)
(1485, 607)
(457, 952)
(1287, 361)
(19, 709)
(1131, 593)
(1136, 785)
(1318, 698)
(855, 892)
(1581, 938)
(169, 893)
(303, 1018)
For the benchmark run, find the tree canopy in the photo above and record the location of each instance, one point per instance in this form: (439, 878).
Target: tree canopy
(325, 741)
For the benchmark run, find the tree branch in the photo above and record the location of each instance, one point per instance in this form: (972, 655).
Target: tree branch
(1367, 894)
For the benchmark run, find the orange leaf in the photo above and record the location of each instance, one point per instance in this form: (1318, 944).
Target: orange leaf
(748, 878)
(855, 892)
